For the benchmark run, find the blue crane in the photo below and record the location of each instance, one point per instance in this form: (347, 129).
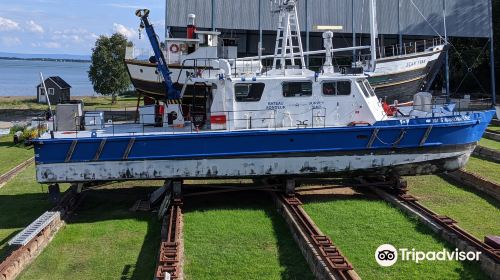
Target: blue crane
(171, 92)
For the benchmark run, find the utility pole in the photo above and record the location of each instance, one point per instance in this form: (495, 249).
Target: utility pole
(492, 55)
(400, 35)
(213, 15)
(307, 30)
(167, 31)
(259, 51)
(353, 33)
(447, 57)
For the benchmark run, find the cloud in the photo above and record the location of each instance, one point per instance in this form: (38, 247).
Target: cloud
(34, 27)
(124, 6)
(8, 24)
(51, 45)
(11, 41)
(122, 29)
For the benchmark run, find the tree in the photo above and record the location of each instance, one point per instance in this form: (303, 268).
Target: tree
(107, 70)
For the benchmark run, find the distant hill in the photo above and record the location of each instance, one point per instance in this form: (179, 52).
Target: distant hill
(45, 56)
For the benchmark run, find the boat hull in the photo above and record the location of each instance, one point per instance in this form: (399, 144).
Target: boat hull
(420, 146)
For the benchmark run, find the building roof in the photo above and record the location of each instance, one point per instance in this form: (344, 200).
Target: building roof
(58, 81)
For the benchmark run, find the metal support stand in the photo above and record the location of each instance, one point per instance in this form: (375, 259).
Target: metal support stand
(54, 194)
(290, 187)
(177, 189)
(77, 188)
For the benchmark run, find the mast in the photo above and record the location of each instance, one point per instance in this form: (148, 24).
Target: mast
(373, 35)
(288, 38)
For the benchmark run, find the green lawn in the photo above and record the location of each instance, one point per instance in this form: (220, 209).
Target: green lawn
(358, 226)
(492, 144)
(494, 127)
(91, 103)
(475, 212)
(12, 155)
(487, 169)
(22, 200)
(239, 236)
(104, 240)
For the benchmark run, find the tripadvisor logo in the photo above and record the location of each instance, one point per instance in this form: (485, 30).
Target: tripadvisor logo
(387, 255)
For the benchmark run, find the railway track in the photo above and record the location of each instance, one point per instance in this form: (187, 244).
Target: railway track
(4, 178)
(475, 181)
(333, 264)
(447, 227)
(171, 247)
(21, 256)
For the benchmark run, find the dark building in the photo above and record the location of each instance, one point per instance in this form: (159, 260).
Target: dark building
(58, 91)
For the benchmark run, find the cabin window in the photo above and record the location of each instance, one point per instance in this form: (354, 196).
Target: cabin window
(297, 89)
(249, 92)
(51, 91)
(337, 88)
(364, 89)
(369, 87)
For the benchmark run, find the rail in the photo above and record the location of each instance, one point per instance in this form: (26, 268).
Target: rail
(331, 256)
(401, 193)
(4, 178)
(169, 257)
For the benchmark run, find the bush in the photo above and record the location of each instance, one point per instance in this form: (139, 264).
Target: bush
(16, 128)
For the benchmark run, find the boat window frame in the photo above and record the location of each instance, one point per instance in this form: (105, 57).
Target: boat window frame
(364, 90)
(336, 87)
(249, 83)
(297, 82)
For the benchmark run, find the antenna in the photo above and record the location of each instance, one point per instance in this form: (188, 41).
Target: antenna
(288, 39)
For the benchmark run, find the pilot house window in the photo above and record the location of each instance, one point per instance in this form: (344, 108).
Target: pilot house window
(297, 89)
(337, 88)
(249, 92)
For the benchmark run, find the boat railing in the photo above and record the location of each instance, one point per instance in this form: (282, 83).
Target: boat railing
(407, 48)
(115, 123)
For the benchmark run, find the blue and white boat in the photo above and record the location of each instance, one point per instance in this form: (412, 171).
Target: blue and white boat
(287, 122)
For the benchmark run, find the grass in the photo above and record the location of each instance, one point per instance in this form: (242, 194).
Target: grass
(474, 211)
(494, 128)
(12, 155)
(239, 236)
(358, 226)
(90, 103)
(22, 200)
(487, 169)
(488, 143)
(104, 240)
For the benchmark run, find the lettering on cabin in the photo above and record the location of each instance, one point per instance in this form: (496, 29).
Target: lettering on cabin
(317, 104)
(275, 105)
(416, 63)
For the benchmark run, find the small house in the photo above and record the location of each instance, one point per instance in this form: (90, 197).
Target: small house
(58, 91)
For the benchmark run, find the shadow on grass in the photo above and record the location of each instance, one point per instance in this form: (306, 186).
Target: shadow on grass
(479, 193)
(292, 262)
(114, 204)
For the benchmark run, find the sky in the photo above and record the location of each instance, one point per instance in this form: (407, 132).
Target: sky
(71, 26)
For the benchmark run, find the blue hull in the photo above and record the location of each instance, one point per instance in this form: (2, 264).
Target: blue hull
(429, 135)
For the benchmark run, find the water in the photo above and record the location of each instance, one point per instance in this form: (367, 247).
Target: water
(20, 77)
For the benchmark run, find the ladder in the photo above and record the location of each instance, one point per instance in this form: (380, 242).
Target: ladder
(288, 39)
(31, 231)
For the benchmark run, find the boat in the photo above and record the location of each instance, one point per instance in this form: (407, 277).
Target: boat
(401, 72)
(286, 122)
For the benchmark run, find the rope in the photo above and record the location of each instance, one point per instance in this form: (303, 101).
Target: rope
(461, 59)
(395, 143)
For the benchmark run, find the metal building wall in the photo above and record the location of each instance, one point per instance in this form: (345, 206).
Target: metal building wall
(465, 18)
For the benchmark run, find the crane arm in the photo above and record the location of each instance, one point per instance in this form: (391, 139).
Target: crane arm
(171, 91)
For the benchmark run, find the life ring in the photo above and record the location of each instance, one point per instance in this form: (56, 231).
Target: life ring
(174, 48)
(183, 47)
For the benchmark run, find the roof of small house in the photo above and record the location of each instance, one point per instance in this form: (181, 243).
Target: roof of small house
(58, 81)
